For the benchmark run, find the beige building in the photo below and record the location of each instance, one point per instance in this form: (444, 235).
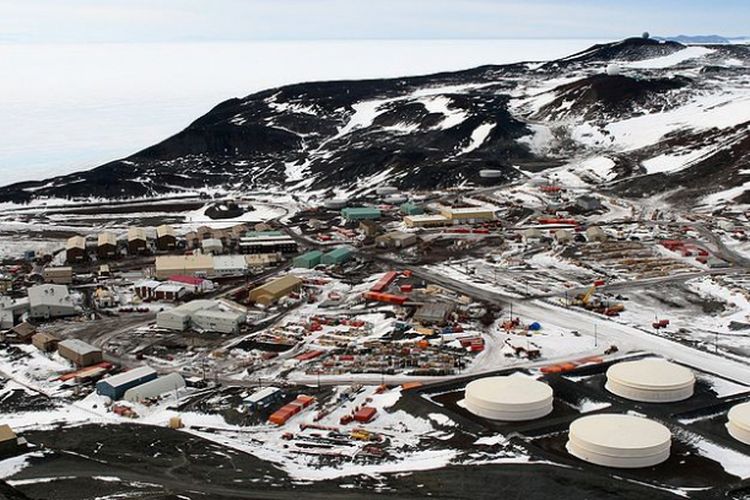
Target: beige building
(425, 220)
(274, 290)
(191, 265)
(59, 275)
(165, 238)
(467, 214)
(106, 246)
(262, 259)
(75, 249)
(137, 240)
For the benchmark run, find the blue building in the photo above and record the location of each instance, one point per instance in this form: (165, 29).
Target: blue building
(114, 387)
(263, 398)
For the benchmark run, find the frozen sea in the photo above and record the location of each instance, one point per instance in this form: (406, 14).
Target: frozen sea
(70, 107)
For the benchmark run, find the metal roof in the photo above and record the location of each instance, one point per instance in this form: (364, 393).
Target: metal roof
(129, 376)
(79, 346)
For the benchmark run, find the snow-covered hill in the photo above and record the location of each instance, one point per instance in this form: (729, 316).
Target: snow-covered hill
(664, 117)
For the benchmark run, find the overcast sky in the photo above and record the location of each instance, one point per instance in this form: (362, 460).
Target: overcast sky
(208, 20)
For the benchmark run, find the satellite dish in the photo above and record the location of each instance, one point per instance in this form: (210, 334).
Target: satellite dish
(613, 70)
(645, 35)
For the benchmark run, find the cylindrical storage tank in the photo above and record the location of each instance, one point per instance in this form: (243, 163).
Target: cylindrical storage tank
(508, 398)
(620, 441)
(336, 203)
(738, 423)
(650, 381)
(395, 198)
(386, 190)
(490, 173)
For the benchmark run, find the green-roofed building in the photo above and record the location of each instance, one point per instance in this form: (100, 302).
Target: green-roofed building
(360, 213)
(410, 208)
(338, 255)
(308, 260)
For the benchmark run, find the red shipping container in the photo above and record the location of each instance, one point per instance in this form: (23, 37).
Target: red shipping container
(365, 414)
(407, 288)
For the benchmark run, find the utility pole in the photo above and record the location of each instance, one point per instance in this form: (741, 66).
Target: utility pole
(596, 339)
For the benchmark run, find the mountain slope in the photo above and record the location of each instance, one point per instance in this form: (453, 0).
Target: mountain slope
(666, 114)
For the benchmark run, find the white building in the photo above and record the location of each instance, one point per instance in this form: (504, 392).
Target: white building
(168, 383)
(230, 265)
(200, 314)
(216, 320)
(212, 245)
(50, 301)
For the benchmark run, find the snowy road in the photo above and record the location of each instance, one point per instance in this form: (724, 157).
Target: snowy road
(608, 332)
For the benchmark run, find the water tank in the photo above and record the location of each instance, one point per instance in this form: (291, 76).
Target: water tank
(620, 441)
(738, 423)
(395, 198)
(335, 203)
(613, 69)
(490, 174)
(650, 381)
(514, 398)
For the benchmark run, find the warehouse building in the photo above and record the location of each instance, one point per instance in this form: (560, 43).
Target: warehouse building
(202, 315)
(433, 314)
(263, 398)
(190, 265)
(216, 320)
(512, 398)
(360, 213)
(396, 239)
(155, 388)
(261, 260)
(145, 288)
(410, 208)
(169, 292)
(619, 441)
(193, 284)
(137, 241)
(271, 292)
(166, 239)
(75, 249)
(467, 214)
(427, 220)
(106, 246)
(254, 242)
(79, 352)
(337, 256)
(114, 387)
(50, 301)
(650, 380)
(178, 318)
(45, 342)
(62, 275)
(308, 260)
(230, 265)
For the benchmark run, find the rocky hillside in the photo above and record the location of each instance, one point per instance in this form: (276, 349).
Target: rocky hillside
(651, 109)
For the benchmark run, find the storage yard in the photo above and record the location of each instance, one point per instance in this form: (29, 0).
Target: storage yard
(448, 329)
